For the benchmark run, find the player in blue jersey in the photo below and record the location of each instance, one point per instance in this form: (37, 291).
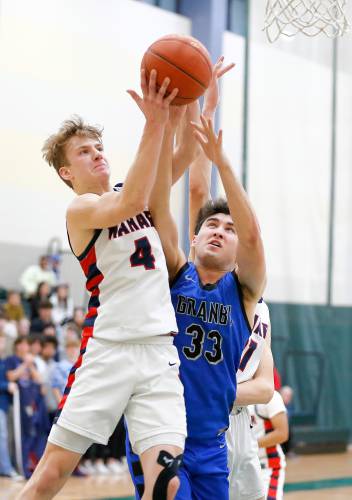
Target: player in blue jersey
(214, 309)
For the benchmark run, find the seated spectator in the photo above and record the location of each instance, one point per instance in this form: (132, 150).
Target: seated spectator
(45, 317)
(13, 308)
(62, 304)
(21, 368)
(42, 294)
(35, 274)
(6, 390)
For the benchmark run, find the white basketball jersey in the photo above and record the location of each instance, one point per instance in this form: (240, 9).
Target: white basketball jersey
(128, 283)
(272, 457)
(254, 348)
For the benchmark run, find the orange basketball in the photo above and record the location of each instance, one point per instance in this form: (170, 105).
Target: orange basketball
(185, 61)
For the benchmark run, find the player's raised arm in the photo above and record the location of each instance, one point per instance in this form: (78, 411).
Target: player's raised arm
(200, 168)
(250, 251)
(160, 197)
(92, 211)
(186, 147)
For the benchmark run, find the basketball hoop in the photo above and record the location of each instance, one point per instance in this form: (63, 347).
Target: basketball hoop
(311, 17)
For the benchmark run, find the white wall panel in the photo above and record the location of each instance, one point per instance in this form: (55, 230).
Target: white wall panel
(58, 58)
(289, 137)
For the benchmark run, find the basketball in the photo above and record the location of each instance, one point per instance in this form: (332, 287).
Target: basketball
(185, 61)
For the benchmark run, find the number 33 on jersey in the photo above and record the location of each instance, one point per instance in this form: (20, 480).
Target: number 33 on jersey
(213, 330)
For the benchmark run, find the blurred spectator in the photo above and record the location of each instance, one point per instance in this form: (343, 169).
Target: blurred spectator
(21, 368)
(23, 327)
(6, 389)
(49, 330)
(79, 316)
(35, 348)
(67, 332)
(13, 307)
(61, 370)
(62, 304)
(35, 274)
(49, 347)
(42, 294)
(55, 261)
(9, 329)
(45, 317)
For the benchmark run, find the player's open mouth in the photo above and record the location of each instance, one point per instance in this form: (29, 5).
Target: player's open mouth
(215, 243)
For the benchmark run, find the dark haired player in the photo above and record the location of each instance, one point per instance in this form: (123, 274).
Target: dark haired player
(214, 309)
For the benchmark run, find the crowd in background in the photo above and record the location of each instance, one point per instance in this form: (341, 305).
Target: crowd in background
(40, 331)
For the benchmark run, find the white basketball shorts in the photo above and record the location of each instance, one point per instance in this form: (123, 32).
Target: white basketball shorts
(245, 476)
(139, 380)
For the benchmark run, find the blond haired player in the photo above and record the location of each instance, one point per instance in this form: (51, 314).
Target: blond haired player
(127, 362)
(270, 426)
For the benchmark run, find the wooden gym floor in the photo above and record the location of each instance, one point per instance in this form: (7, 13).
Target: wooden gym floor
(313, 477)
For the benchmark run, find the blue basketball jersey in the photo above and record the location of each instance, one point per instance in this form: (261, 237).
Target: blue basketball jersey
(213, 330)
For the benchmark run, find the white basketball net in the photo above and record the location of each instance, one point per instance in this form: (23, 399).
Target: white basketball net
(311, 17)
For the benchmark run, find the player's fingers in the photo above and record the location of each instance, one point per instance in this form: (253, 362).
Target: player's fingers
(227, 68)
(199, 128)
(219, 141)
(218, 64)
(210, 126)
(199, 137)
(168, 100)
(163, 87)
(205, 123)
(135, 97)
(152, 83)
(144, 85)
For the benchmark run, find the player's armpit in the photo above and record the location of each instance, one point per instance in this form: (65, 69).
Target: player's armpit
(91, 211)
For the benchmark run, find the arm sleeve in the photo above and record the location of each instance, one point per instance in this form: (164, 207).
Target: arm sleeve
(275, 405)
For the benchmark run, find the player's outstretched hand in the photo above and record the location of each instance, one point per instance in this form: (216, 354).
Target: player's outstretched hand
(155, 103)
(211, 97)
(210, 142)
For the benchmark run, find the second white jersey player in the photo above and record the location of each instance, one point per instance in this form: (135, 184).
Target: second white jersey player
(245, 478)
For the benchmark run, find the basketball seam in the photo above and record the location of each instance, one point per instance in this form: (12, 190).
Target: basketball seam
(180, 69)
(187, 43)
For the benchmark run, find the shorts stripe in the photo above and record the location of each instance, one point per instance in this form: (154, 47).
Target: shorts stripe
(273, 484)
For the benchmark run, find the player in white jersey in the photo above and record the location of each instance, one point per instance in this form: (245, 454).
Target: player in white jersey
(270, 426)
(255, 384)
(127, 361)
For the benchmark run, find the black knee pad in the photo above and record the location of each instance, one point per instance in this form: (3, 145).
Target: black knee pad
(171, 466)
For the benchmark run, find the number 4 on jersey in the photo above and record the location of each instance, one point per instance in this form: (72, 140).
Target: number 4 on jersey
(143, 254)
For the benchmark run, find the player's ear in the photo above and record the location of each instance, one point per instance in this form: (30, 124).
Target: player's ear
(194, 240)
(65, 173)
